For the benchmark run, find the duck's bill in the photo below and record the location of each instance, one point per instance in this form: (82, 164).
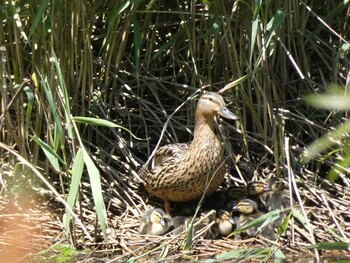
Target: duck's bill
(226, 113)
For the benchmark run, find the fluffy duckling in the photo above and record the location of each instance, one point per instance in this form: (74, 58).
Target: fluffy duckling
(206, 218)
(225, 222)
(258, 191)
(248, 210)
(181, 172)
(278, 198)
(236, 193)
(155, 222)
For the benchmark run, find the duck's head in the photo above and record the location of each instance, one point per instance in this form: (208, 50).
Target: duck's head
(160, 219)
(256, 188)
(224, 216)
(236, 193)
(276, 184)
(246, 206)
(211, 104)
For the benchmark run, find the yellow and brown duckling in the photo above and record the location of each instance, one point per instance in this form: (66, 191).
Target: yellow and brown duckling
(248, 210)
(257, 191)
(182, 172)
(154, 222)
(225, 222)
(278, 198)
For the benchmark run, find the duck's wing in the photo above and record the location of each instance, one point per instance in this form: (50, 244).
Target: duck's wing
(168, 153)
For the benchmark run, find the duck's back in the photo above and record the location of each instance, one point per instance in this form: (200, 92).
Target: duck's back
(181, 172)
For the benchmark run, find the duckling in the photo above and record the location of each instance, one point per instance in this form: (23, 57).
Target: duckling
(225, 222)
(233, 195)
(179, 224)
(277, 198)
(154, 222)
(205, 219)
(248, 210)
(236, 193)
(182, 172)
(257, 191)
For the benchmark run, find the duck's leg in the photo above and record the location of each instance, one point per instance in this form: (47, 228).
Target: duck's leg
(167, 207)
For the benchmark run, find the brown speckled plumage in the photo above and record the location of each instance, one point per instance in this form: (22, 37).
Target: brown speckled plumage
(182, 171)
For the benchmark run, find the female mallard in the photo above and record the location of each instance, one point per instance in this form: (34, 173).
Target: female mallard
(183, 172)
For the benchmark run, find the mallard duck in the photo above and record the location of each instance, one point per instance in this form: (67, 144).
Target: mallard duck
(179, 224)
(236, 192)
(233, 195)
(183, 172)
(225, 222)
(248, 210)
(258, 190)
(155, 222)
(277, 198)
(206, 218)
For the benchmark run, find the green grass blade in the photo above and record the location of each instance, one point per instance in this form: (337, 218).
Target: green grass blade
(53, 108)
(95, 182)
(331, 246)
(137, 46)
(283, 227)
(50, 153)
(40, 14)
(101, 122)
(77, 172)
(189, 239)
(30, 97)
(326, 141)
(256, 253)
(262, 221)
(255, 26)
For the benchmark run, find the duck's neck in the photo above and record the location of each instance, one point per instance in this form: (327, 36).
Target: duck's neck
(204, 127)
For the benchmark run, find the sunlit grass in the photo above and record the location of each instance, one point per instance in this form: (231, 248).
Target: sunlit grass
(69, 70)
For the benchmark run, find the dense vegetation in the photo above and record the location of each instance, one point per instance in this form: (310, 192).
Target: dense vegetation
(134, 63)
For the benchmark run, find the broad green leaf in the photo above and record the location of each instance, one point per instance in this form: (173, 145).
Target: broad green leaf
(257, 253)
(262, 221)
(283, 227)
(53, 108)
(190, 232)
(101, 122)
(326, 141)
(279, 256)
(50, 153)
(299, 216)
(331, 246)
(329, 101)
(77, 172)
(95, 182)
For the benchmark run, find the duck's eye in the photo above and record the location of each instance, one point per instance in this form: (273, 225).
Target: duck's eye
(210, 99)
